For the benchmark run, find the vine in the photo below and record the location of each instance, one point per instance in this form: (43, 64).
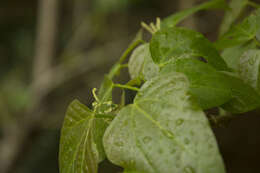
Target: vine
(178, 75)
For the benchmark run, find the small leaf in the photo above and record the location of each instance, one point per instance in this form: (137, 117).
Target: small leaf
(173, 43)
(210, 87)
(105, 91)
(141, 63)
(163, 131)
(244, 97)
(232, 55)
(105, 96)
(136, 61)
(241, 33)
(81, 147)
(174, 19)
(249, 68)
(236, 8)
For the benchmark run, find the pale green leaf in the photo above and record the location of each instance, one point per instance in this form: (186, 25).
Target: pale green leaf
(81, 147)
(174, 19)
(249, 68)
(241, 33)
(236, 8)
(172, 43)
(232, 55)
(136, 61)
(163, 131)
(210, 87)
(141, 63)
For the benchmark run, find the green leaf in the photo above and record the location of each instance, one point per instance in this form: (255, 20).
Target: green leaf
(163, 131)
(172, 43)
(241, 33)
(249, 68)
(210, 87)
(232, 55)
(236, 8)
(141, 63)
(244, 97)
(81, 147)
(174, 19)
(105, 91)
(136, 61)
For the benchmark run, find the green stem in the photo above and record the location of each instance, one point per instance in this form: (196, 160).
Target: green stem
(126, 87)
(124, 66)
(129, 50)
(253, 4)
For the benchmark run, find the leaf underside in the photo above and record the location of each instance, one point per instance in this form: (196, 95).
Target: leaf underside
(81, 147)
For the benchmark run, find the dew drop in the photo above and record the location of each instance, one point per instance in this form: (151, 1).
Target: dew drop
(173, 151)
(189, 169)
(169, 134)
(160, 150)
(147, 139)
(119, 144)
(186, 141)
(252, 61)
(179, 122)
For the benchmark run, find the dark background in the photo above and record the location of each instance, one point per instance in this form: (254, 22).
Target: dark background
(53, 51)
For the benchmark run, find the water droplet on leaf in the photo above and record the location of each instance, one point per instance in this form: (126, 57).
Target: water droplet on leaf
(186, 141)
(147, 139)
(119, 144)
(179, 122)
(189, 169)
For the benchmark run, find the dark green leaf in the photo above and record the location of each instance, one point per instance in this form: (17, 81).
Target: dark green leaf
(236, 8)
(249, 68)
(163, 131)
(210, 87)
(244, 97)
(173, 43)
(174, 19)
(81, 146)
(232, 55)
(241, 33)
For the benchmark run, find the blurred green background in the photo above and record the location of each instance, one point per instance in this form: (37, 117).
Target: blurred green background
(53, 51)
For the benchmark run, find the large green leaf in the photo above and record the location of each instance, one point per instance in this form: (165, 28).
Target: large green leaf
(244, 97)
(241, 33)
(174, 19)
(232, 55)
(172, 43)
(163, 131)
(210, 87)
(81, 147)
(249, 68)
(236, 8)
(141, 63)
